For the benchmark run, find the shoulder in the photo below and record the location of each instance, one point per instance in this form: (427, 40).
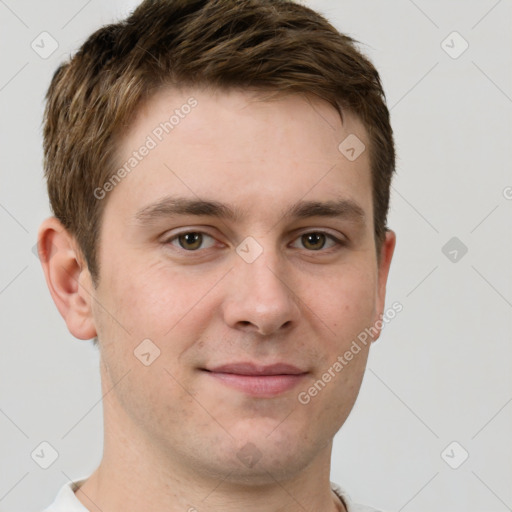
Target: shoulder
(349, 504)
(66, 501)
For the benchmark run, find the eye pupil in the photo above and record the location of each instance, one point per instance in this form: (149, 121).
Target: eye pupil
(313, 241)
(191, 241)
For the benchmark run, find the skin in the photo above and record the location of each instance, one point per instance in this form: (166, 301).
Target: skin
(172, 431)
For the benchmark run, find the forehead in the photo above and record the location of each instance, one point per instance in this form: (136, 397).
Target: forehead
(237, 148)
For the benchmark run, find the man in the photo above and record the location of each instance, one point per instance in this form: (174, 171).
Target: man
(219, 171)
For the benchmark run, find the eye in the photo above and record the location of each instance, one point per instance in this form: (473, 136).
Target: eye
(192, 241)
(315, 241)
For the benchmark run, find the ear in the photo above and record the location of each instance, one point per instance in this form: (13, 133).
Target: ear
(386, 254)
(67, 277)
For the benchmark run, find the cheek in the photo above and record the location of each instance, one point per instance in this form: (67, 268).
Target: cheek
(150, 299)
(169, 307)
(346, 306)
(346, 303)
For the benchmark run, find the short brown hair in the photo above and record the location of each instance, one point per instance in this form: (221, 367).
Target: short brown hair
(274, 45)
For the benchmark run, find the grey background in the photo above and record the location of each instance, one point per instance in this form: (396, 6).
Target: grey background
(441, 371)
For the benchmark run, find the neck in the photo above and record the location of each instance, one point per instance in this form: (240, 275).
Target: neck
(139, 473)
(130, 479)
(101, 492)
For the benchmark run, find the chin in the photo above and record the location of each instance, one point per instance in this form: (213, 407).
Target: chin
(264, 455)
(260, 468)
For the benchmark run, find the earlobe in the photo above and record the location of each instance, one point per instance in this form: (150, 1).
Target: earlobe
(67, 277)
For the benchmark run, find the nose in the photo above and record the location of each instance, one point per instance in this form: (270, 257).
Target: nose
(258, 298)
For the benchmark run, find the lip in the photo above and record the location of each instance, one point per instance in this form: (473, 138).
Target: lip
(252, 369)
(258, 380)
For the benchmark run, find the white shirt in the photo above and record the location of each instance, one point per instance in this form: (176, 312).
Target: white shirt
(66, 501)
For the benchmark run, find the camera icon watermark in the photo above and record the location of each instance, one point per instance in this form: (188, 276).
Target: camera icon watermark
(454, 45)
(249, 455)
(351, 147)
(249, 249)
(146, 352)
(454, 249)
(44, 45)
(50, 251)
(455, 455)
(35, 251)
(44, 455)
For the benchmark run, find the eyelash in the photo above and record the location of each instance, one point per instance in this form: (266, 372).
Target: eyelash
(337, 242)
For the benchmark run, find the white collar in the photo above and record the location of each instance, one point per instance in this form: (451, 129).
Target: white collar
(66, 500)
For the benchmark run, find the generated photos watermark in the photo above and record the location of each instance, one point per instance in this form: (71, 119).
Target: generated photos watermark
(305, 397)
(156, 136)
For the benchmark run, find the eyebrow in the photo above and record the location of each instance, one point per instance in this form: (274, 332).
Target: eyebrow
(173, 206)
(338, 208)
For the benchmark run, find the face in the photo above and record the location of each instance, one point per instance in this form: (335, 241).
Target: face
(237, 265)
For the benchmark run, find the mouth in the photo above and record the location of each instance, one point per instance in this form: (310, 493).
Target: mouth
(257, 380)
